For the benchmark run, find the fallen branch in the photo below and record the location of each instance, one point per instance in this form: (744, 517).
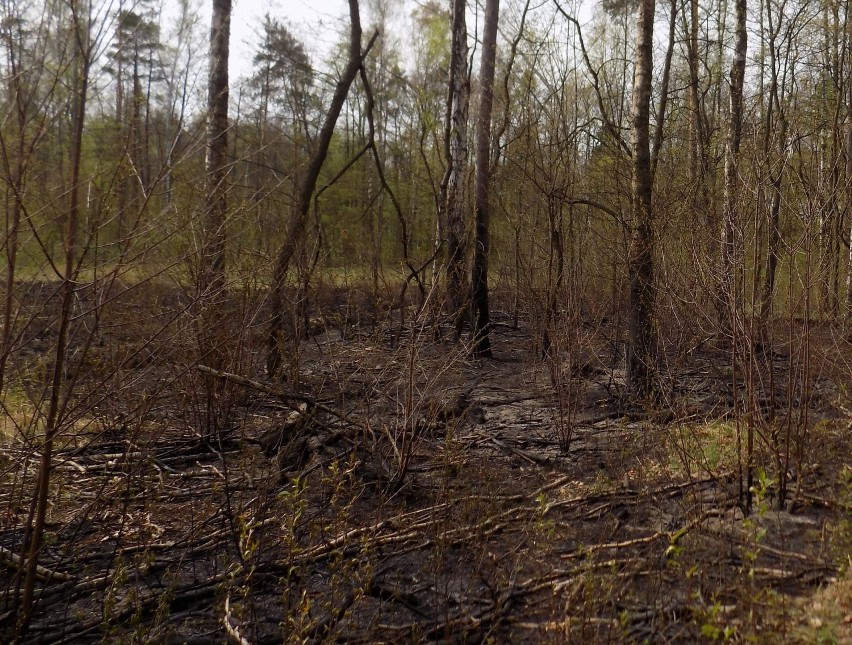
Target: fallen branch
(594, 548)
(534, 459)
(276, 392)
(232, 630)
(44, 574)
(673, 538)
(778, 554)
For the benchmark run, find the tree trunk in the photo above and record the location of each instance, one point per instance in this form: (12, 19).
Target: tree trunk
(699, 166)
(15, 170)
(830, 174)
(848, 145)
(779, 127)
(555, 272)
(696, 140)
(732, 255)
(641, 363)
(134, 144)
(34, 538)
(122, 179)
(664, 90)
(297, 223)
(456, 152)
(479, 279)
(212, 270)
(774, 241)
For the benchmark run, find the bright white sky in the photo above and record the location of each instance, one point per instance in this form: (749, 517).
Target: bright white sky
(316, 23)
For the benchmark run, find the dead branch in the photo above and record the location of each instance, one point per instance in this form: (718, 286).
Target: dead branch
(231, 628)
(13, 560)
(276, 392)
(534, 459)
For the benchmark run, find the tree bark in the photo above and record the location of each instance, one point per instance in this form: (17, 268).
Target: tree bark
(641, 359)
(212, 270)
(847, 131)
(777, 125)
(732, 254)
(456, 153)
(479, 279)
(297, 223)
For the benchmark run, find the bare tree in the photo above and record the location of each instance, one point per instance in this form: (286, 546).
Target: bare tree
(481, 248)
(455, 145)
(642, 342)
(297, 223)
(212, 270)
(83, 47)
(731, 244)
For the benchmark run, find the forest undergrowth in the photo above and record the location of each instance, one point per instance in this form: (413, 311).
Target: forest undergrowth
(404, 492)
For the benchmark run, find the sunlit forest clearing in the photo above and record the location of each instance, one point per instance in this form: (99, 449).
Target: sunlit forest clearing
(497, 322)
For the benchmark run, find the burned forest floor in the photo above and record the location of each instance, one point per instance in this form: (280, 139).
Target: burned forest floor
(410, 493)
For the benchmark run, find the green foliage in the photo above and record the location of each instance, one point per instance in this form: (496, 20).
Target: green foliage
(707, 447)
(284, 77)
(432, 21)
(717, 633)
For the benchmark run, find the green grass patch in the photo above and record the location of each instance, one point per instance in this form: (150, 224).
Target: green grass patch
(706, 447)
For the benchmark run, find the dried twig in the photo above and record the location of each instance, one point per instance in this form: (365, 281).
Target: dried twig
(42, 573)
(231, 628)
(276, 392)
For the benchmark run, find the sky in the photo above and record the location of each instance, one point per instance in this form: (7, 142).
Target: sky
(318, 24)
(315, 22)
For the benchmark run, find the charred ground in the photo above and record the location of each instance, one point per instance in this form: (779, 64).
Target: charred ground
(409, 493)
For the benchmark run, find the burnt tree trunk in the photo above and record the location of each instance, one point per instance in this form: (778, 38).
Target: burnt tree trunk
(641, 363)
(212, 270)
(479, 279)
(456, 154)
